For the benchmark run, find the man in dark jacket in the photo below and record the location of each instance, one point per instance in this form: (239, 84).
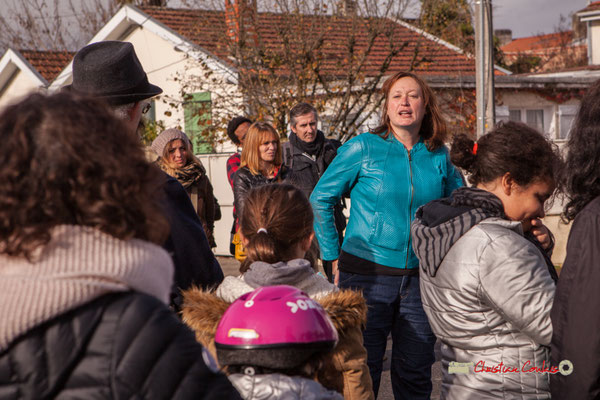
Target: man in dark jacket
(111, 70)
(307, 155)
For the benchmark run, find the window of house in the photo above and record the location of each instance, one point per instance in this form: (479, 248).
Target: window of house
(502, 114)
(514, 115)
(566, 117)
(535, 119)
(541, 119)
(197, 115)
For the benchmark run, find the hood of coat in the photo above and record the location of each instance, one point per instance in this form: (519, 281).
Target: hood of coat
(202, 311)
(278, 386)
(298, 273)
(441, 223)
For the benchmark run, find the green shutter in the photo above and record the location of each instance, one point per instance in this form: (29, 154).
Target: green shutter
(197, 115)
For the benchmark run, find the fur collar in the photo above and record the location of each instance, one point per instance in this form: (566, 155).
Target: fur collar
(203, 310)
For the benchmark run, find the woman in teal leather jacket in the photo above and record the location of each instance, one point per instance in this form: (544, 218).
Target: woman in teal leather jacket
(389, 174)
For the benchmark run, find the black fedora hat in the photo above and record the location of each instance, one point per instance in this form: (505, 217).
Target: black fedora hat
(112, 71)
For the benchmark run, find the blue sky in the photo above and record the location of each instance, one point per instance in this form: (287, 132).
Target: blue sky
(532, 17)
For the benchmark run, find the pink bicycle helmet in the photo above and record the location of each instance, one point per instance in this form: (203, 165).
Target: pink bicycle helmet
(276, 327)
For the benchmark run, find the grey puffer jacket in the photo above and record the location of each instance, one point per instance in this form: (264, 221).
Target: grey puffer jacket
(281, 387)
(487, 293)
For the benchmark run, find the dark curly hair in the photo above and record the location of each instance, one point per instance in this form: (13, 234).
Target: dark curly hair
(286, 215)
(434, 130)
(511, 147)
(66, 159)
(582, 165)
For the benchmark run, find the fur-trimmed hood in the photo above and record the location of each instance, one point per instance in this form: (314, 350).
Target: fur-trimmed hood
(203, 310)
(345, 368)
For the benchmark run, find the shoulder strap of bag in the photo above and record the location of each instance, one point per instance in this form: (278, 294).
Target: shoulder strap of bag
(194, 197)
(288, 157)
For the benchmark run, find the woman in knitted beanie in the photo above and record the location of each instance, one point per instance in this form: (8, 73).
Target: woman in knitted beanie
(177, 159)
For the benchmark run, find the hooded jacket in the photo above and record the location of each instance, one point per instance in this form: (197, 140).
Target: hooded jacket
(345, 369)
(487, 293)
(87, 318)
(298, 273)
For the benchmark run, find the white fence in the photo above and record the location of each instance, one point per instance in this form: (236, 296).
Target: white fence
(216, 168)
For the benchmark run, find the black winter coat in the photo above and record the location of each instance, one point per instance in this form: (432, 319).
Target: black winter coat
(120, 346)
(575, 317)
(244, 180)
(304, 173)
(195, 263)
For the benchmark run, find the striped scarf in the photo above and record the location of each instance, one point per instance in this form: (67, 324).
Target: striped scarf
(440, 223)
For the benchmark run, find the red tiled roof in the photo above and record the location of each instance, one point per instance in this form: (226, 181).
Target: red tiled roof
(537, 43)
(48, 63)
(207, 29)
(595, 6)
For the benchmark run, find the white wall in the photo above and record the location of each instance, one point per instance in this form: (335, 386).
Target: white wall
(216, 168)
(20, 86)
(594, 42)
(175, 72)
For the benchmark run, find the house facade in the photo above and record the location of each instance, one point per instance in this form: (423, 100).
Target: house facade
(24, 71)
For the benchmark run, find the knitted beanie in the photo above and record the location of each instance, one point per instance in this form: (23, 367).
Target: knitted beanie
(158, 145)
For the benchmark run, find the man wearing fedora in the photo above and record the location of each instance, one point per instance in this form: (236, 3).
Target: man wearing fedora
(111, 70)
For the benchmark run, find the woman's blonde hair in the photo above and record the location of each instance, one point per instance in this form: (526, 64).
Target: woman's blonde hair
(258, 133)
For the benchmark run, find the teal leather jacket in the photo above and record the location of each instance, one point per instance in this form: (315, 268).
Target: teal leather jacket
(387, 184)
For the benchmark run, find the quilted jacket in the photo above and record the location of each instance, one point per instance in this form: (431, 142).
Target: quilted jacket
(488, 302)
(119, 346)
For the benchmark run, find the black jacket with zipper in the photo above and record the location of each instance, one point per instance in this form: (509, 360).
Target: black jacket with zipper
(244, 180)
(305, 172)
(120, 346)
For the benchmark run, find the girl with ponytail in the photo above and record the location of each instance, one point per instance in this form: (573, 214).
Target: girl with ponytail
(276, 227)
(486, 280)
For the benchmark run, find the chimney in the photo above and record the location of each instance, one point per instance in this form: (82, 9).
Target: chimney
(579, 28)
(504, 36)
(240, 19)
(348, 7)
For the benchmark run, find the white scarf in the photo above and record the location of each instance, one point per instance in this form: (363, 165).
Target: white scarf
(78, 265)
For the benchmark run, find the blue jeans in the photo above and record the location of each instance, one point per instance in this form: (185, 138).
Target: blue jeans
(394, 306)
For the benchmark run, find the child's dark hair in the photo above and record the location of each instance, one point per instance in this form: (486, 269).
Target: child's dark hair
(274, 219)
(511, 147)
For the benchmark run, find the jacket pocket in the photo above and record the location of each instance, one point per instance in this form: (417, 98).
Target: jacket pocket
(387, 235)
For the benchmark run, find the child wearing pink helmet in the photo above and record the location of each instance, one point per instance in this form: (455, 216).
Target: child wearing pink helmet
(274, 360)
(276, 227)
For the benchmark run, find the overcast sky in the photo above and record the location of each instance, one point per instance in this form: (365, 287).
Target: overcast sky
(532, 17)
